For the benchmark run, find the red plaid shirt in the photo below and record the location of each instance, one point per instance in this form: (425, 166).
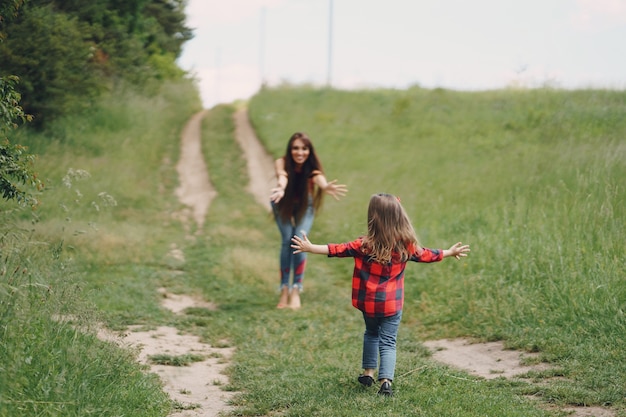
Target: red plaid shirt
(377, 289)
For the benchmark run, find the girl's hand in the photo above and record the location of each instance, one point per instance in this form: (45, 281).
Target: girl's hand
(459, 250)
(300, 244)
(303, 244)
(277, 194)
(335, 190)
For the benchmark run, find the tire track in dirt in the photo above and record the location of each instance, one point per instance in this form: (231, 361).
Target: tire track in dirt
(195, 189)
(259, 162)
(196, 388)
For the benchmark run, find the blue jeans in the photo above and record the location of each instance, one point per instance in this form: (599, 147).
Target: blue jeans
(289, 261)
(379, 340)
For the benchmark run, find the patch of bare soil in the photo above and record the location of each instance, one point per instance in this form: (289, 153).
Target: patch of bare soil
(491, 360)
(196, 388)
(487, 360)
(178, 303)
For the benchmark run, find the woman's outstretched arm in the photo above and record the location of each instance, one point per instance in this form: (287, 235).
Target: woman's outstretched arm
(278, 192)
(330, 187)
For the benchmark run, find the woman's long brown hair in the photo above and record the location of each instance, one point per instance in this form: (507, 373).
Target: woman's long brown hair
(295, 201)
(389, 230)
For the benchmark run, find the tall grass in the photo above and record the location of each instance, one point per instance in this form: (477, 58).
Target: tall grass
(533, 180)
(301, 363)
(102, 174)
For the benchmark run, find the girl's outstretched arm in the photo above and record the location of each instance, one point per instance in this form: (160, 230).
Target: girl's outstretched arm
(457, 250)
(304, 245)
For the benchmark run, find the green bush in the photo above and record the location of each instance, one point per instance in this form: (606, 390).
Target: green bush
(16, 165)
(49, 52)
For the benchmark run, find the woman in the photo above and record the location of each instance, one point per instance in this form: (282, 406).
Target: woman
(301, 185)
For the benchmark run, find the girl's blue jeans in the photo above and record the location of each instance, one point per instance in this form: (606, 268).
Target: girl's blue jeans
(379, 340)
(288, 260)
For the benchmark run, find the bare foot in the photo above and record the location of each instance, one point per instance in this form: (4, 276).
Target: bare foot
(294, 301)
(284, 298)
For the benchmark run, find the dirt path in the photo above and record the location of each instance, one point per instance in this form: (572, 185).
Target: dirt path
(198, 386)
(260, 162)
(195, 190)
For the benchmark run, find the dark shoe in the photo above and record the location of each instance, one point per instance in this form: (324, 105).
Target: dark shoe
(366, 380)
(385, 389)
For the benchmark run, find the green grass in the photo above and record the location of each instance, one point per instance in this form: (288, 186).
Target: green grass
(533, 180)
(305, 362)
(65, 268)
(175, 360)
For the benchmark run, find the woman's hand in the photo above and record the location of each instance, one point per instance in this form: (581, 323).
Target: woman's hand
(277, 194)
(335, 190)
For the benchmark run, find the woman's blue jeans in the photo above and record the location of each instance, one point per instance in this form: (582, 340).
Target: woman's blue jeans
(288, 260)
(379, 340)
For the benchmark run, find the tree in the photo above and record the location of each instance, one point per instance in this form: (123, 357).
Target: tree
(48, 51)
(172, 32)
(16, 165)
(8, 9)
(66, 51)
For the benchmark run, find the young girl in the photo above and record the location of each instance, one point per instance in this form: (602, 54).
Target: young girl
(298, 195)
(378, 279)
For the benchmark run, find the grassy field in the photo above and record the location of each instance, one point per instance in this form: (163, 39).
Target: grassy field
(533, 180)
(90, 254)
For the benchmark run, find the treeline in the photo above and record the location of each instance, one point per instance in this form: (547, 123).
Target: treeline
(58, 56)
(65, 53)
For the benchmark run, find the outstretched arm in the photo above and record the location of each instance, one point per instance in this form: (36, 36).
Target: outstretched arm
(303, 244)
(278, 192)
(330, 187)
(457, 250)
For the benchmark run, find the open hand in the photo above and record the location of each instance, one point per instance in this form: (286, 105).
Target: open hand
(277, 194)
(336, 190)
(300, 244)
(459, 250)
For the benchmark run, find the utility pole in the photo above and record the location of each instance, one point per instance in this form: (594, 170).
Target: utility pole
(262, 48)
(218, 64)
(330, 43)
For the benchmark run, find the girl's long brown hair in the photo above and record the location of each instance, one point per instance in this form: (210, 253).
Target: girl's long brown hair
(389, 230)
(295, 201)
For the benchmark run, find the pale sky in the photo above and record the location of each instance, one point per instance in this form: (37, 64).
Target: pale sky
(455, 44)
